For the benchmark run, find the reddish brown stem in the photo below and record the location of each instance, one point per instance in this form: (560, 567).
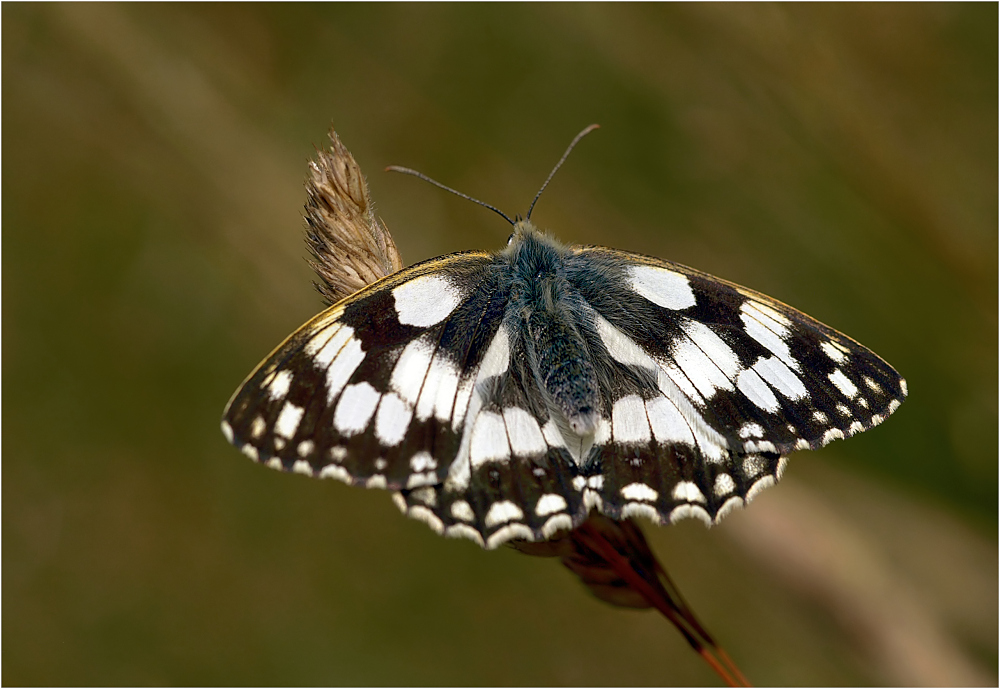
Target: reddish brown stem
(667, 602)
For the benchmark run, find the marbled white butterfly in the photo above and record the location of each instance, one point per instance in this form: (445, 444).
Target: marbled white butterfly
(504, 395)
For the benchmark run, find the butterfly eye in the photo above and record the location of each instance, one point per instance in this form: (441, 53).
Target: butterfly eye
(510, 239)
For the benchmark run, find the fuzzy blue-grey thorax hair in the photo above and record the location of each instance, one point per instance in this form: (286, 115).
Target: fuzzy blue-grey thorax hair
(551, 316)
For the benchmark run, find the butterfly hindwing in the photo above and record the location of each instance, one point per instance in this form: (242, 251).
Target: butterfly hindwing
(513, 476)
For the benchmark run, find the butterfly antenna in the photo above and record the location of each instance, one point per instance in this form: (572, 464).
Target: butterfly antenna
(562, 160)
(420, 175)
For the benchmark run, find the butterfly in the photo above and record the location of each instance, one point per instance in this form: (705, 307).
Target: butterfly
(505, 395)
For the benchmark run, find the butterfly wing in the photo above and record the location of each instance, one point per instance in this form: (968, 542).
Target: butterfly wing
(708, 385)
(373, 390)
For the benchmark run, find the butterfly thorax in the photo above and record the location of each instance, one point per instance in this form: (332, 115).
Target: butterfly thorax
(551, 314)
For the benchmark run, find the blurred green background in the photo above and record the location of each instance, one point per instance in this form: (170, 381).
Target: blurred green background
(842, 158)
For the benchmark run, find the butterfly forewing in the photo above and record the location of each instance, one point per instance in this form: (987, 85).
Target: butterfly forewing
(756, 370)
(361, 390)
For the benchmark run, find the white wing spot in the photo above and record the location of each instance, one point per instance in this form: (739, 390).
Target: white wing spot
(376, 481)
(780, 469)
(324, 351)
(497, 357)
(509, 533)
(250, 451)
(257, 427)
(641, 509)
(780, 377)
(549, 504)
(667, 422)
(755, 389)
(279, 385)
(639, 492)
(728, 506)
(831, 435)
(751, 430)
(710, 442)
(687, 491)
(227, 431)
(855, 427)
(439, 389)
(621, 347)
(338, 453)
(902, 387)
(502, 512)
(699, 368)
(801, 444)
(306, 448)
(420, 480)
(560, 522)
(893, 406)
(592, 500)
(411, 369)
(820, 417)
(714, 347)
(843, 410)
(464, 531)
(274, 463)
(460, 509)
(724, 485)
(355, 409)
(834, 353)
(426, 300)
(422, 461)
(337, 472)
(344, 366)
(550, 431)
(301, 466)
(752, 466)
(279, 443)
(875, 387)
(602, 434)
(425, 495)
(767, 332)
(288, 420)
(489, 440)
(760, 446)
(526, 437)
(690, 512)
(628, 420)
(756, 488)
(392, 420)
(426, 516)
(844, 384)
(662, 287)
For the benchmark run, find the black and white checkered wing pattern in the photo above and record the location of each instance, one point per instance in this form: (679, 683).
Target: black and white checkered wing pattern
(708, 385)
(374, 390)
(506, 395)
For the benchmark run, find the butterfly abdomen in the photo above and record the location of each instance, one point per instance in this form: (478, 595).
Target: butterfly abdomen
(550, 311)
